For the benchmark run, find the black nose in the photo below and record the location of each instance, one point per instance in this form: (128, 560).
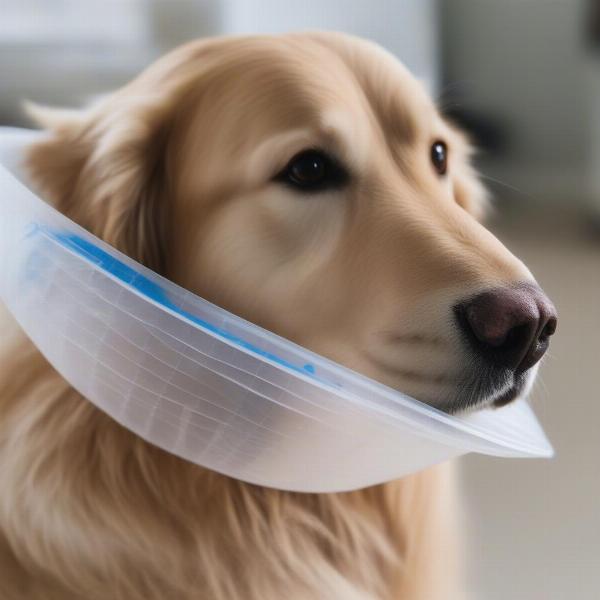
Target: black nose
(509, 326)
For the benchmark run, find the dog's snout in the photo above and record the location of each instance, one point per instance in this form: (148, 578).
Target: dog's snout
(510, 327)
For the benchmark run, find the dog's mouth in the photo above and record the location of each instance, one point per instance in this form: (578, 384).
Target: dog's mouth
(480, 385)
(489, 388)
(513, 392)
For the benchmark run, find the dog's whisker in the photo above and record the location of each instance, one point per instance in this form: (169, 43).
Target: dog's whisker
(451, 86)
(508, 186)
(540, 399)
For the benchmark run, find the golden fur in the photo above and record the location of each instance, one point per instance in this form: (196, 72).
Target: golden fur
(176, 170)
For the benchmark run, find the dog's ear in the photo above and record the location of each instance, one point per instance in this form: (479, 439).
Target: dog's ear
(104, 167)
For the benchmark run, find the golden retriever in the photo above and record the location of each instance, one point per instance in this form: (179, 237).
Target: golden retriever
(307, 183)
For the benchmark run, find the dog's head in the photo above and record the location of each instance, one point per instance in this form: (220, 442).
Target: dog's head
(308, 183)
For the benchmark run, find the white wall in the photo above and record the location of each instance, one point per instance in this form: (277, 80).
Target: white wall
(408, 28)
(65, 51)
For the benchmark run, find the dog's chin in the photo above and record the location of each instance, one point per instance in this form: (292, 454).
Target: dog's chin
(490, 390)
(481, 386)
(511, 394)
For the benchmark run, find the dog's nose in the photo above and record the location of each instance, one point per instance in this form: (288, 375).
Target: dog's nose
(510, 327)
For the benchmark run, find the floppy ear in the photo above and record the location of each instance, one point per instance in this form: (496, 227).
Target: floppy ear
(104, 167)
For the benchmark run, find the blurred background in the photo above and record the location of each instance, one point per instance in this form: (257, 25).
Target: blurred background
(523, 77)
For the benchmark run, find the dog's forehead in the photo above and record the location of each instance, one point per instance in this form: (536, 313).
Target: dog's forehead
(332, 91)
(296, 81)
(304, 76)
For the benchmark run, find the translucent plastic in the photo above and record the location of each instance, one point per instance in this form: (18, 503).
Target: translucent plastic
(207, 385)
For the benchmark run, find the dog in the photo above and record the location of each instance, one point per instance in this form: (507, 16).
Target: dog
(307, 183)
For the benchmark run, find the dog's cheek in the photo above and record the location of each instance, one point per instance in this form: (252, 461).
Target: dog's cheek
(269, 257)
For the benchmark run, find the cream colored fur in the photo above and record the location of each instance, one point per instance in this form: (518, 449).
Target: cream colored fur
(176, 170)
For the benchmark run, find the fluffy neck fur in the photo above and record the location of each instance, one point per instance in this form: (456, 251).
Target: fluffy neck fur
(89, 510)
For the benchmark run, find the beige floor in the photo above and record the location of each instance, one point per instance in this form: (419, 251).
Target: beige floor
(535, 525)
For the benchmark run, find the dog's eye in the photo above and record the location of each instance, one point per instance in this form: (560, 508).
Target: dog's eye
(312, 171)
(439, 157)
